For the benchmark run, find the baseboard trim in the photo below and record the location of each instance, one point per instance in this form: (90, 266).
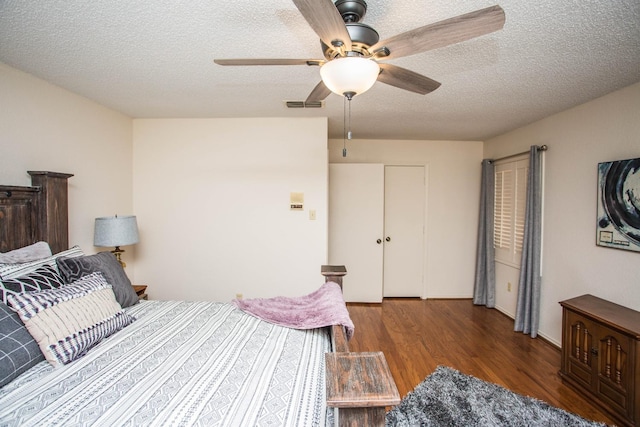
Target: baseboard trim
(541, 336)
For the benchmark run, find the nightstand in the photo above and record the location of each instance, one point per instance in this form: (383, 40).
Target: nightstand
(141, 290)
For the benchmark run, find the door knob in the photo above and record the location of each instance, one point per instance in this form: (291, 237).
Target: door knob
(388, 239)
(379, 241)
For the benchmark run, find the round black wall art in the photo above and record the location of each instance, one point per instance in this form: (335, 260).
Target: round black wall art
(619, 204)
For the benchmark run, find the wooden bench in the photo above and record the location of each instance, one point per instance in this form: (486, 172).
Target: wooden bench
(359, 384)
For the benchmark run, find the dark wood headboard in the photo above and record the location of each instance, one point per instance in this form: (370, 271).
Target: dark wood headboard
(35, 213)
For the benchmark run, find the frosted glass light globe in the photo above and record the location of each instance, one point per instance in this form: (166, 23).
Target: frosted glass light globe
(350, 74)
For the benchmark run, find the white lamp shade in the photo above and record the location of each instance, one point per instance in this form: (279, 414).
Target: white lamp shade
(114, 231)
(349, 74)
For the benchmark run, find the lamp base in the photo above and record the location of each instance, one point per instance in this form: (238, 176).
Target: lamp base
(117, 252)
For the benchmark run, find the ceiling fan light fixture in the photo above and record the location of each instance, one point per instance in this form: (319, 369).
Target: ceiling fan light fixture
(353, 74)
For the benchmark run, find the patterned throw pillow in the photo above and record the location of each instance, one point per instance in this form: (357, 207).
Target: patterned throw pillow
(105, 262)
(18, 349)
(29, 253)
(67, 322)
(9, 271)
(45, 277)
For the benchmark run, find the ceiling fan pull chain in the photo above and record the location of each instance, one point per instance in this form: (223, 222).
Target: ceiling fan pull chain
(344, 127)
(349, 132)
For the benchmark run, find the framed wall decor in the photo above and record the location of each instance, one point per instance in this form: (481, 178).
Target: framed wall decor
(619, 205)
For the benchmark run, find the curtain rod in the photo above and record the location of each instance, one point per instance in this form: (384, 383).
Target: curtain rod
(540, 148)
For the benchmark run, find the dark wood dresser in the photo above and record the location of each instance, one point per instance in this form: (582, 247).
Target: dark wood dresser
(601, 354)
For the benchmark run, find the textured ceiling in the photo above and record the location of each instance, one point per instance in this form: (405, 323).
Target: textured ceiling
(154, 58)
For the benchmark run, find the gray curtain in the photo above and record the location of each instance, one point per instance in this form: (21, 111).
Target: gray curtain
(528, 307)
(484, 291)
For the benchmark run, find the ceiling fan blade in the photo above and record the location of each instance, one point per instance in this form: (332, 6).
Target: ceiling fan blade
(406, 79)
(319, 93)
(323, 17)
(444, 33)
(252, 61)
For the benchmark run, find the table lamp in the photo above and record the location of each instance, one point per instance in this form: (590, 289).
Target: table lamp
(116, 231)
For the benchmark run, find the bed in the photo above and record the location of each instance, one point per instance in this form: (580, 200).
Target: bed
(177, 362)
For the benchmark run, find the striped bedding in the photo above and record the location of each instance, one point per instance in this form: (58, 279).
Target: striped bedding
(181, 364)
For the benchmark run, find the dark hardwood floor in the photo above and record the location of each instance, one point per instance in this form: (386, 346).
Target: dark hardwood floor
(418, 335)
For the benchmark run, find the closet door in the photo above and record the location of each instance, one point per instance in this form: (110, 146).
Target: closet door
(356, 209)
(404, 207)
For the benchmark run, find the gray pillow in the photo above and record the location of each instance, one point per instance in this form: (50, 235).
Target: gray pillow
(72, 269)
(18, 350)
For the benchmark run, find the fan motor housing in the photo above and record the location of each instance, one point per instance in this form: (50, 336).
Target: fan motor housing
(362, 38)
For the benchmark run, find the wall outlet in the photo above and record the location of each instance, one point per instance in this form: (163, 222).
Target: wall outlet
(508, 286)
(238, 296)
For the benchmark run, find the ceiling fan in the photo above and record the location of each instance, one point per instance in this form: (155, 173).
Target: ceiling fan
(352, 50)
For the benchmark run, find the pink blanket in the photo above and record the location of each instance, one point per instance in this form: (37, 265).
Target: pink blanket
(324, 307)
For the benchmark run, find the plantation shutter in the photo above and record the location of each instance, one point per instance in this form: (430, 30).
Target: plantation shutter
(509, 210)
(502, 209)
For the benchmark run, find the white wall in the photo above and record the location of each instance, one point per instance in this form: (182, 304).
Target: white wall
(212, 200)
(453, 194)
(44, 127)
(602, 130)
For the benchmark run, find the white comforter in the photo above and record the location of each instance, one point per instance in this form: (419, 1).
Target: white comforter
(181, 363)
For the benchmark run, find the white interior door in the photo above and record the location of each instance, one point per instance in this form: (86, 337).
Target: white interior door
(404, 231)
(356, 209)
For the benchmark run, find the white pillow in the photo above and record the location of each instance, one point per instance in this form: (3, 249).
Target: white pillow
(67, 322)
(29, 253)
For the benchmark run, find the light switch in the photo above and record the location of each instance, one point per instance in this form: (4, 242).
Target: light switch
(312, 214)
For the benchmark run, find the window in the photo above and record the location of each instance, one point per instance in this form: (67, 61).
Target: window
(509, 209)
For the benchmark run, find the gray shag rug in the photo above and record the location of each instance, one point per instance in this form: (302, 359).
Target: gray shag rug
(450, 398)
